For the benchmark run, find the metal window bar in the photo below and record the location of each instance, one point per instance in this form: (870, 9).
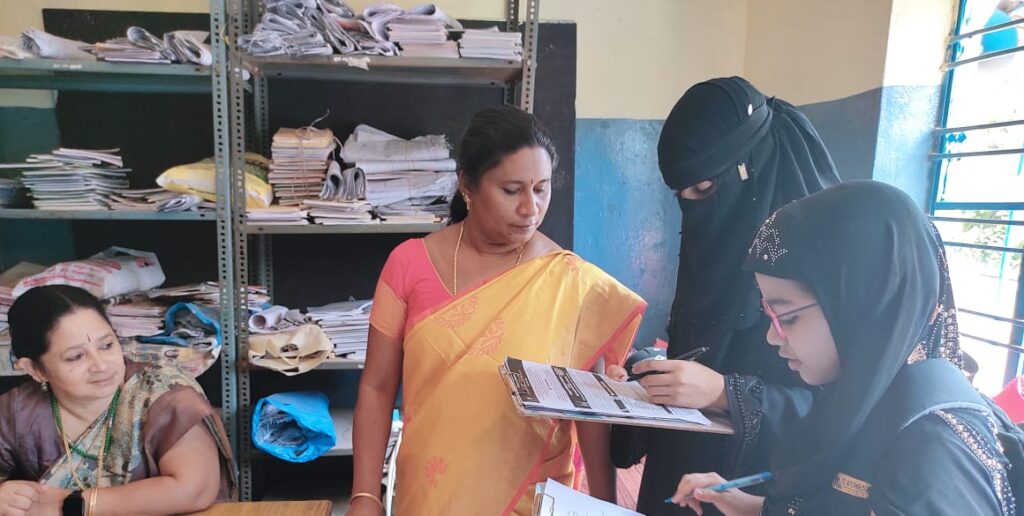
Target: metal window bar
(994, 222)
(963, 129)
(998, 152)
(999, 249)
(983, 57)
(995, 343)
(1007, 320)
(985, 30)
(944, 205)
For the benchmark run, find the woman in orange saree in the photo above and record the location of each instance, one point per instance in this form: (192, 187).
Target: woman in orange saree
(466, 450)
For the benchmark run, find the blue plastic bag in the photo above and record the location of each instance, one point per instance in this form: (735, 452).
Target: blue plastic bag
(293, 426)
(188, 323)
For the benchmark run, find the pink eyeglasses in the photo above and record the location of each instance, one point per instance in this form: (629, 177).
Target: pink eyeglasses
(775, 317)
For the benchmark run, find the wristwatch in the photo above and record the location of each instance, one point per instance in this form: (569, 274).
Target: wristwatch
(74, 505)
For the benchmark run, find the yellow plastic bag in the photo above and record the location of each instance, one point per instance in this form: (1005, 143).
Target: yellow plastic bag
(200, 178)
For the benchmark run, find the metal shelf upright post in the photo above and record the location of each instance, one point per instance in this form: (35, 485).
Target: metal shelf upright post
(433, 71)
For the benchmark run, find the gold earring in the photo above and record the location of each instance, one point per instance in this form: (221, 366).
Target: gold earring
(45, 386)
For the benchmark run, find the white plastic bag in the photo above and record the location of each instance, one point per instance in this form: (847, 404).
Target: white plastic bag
(113, 272)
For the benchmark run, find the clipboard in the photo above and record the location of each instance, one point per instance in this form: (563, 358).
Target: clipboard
(720, 422)
(567, 501)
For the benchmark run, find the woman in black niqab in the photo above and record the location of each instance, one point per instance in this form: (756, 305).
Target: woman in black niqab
(733, 157)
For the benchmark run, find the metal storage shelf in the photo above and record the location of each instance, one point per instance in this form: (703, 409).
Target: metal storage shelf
(514, 77)
(29, 213)
(346, 229)
(397, 69)
(60, 74)
(107, 77)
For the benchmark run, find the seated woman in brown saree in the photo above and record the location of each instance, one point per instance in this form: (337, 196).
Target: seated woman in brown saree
(95, 434)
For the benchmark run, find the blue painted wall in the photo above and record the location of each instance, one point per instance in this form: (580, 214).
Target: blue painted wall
(626, 221)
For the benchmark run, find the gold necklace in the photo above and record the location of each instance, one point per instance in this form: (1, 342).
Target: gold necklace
(100, 459)
(455, 260)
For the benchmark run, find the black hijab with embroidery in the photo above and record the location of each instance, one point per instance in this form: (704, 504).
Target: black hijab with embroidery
(877, 268)
(760, 153)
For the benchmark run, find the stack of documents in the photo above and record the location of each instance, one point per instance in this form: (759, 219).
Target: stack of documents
(402, 177)
(375, 151)
(347, 325)
(334, 213)
(141, 46)
(411, 192)
(556, 392)
(138, 318)
(422, 37)
(278, 216)
(75, 179)
(84, 157)
(122, 50)
(207, 293)
(408, 214)
(491, 43)
(158, 199)
(299, 162)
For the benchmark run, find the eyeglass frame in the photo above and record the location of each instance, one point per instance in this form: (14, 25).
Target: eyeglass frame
(775, 317)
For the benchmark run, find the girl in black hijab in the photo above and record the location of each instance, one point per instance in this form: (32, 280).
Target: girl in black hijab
(855, 281)
(733, 157)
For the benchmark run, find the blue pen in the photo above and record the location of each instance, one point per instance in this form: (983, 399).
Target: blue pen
(739, 483)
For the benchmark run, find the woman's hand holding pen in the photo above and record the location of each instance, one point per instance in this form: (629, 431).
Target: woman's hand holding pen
(731, 503)
(681, 383)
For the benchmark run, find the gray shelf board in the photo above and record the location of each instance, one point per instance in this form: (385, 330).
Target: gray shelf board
(28, 213)
(60, 74)
(313, 229)
(412, 70)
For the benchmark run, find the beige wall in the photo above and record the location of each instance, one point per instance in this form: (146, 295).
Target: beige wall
(916, 49)
(815, 50)
(631, 64)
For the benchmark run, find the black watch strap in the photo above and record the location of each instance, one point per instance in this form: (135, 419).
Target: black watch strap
(73, 505)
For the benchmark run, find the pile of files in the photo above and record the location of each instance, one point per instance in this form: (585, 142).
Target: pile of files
(336, 213)
(137, 318)
(491, 43)
(158, 199)
(207, 293)
(300, 159)
(403, 177)
(278, 216)
(422, 36)
(347, 325)
(304, 28)
(403, 213)
(75, 179)
(141, 46)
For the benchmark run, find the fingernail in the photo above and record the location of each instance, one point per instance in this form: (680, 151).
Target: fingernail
(697, 493)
